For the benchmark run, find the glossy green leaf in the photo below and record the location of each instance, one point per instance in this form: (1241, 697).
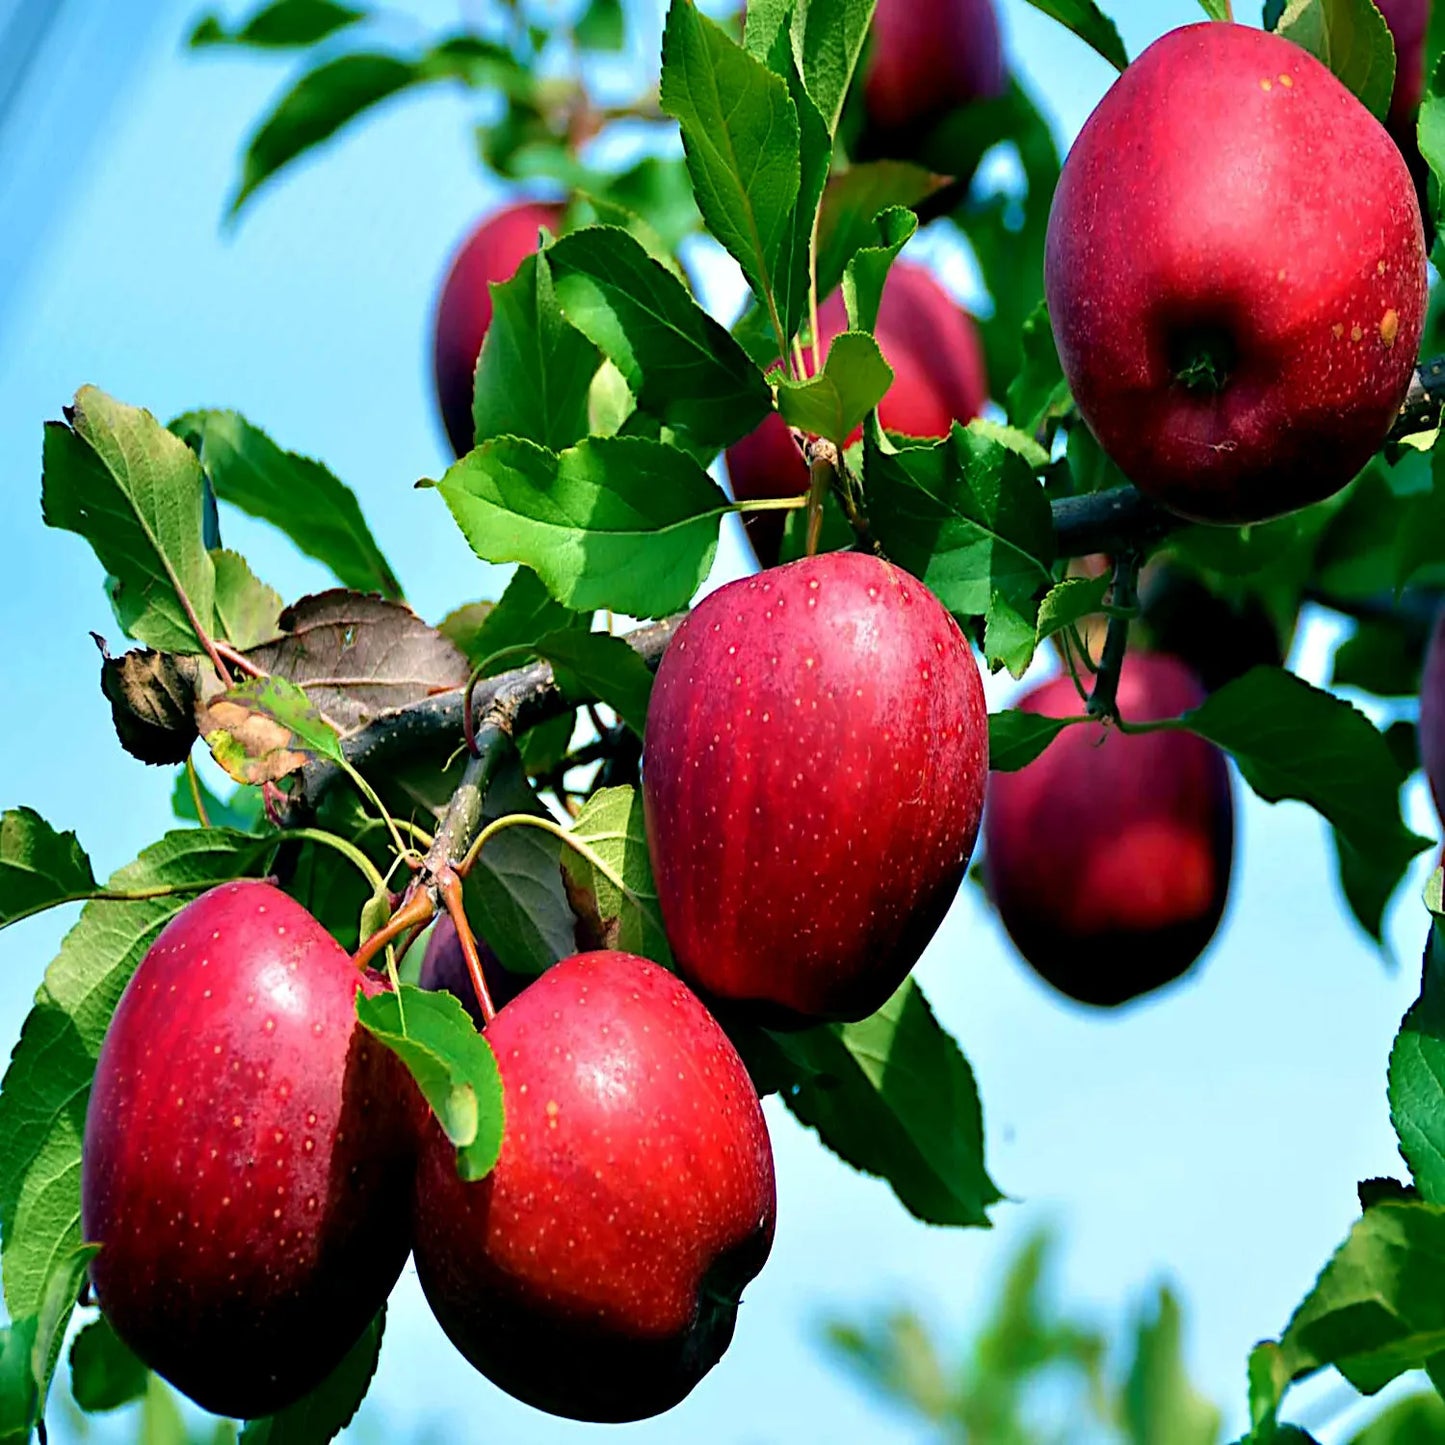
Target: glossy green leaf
(1291, 740)
(39, 866)
(241, 812)
(679, 363)
(248, 612)
(611, 825)
(895, 1097)
(741, 137)
(104, 1373)
(116, 477)
(1090, 24)
(833, 403)
(525, 613)
(830, 38)
(867, 270)
(1378, 1307)
(1352, 39)
(534, 374)
(1067, 603)
(42, 1098)
(1016, 737)
(596, 665)
(1415, 1420)
(852, 202)
(282, 24)
(19, 1399)
(1039, 390)
(296, 495)
(453, 1065)
(1417, 1076)
(617, 522)
(57, 1304)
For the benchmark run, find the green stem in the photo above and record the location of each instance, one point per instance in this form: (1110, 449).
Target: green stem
(127, 895)
(347, 849)
(1103, 701)
(546, 825)
(369, 793)
(194, 780)
(768, 504)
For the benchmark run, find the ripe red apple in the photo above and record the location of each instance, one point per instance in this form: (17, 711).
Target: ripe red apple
(247, 1157)
(492, 252)
(443, 967)
(1108, 856)
(813, 775)
(927, 58)
(1432, 714)
(596, 1272)
(938, 378)
(1236, 275)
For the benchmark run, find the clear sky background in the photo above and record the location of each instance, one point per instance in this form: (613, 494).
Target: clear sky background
(1212, 1136)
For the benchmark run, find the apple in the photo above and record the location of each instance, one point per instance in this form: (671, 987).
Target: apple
(595, 1273)
(1108, 857)
(491, 253)
(927, 58)
(444, 968)
(938, 378)
(247, 1155)
(1235, 270)
(813, 775)
(1432, 714)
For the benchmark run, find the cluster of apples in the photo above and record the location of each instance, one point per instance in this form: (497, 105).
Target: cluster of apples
(1238, 321)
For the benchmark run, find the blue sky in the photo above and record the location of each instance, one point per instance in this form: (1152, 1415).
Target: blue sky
(1212, 1137)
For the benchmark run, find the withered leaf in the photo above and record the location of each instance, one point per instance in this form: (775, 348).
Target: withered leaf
(265, 728)
(153, 698)
(358, 655)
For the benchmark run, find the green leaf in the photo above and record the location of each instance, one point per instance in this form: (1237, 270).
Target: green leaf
(611, 825)
(104, 1374)
(868, 269)
(298, 496)
(1415, 1420)
(39, 867)
(1090, 24)
(453, 1066)
(1417, 1077)
(1161, 1406)
(616, 522)
(741, 136)
(280, 25)
(680, 364)
(1039, 390)
(853, 199)
(830, 43)
(1379, 657)
(894, 1096)
(1378, 1307)
(1010, 633)
(1216, 9)
(1016, 737)
(1291, 740)
(525, 614)
(1070, 601)
(1368, 883)
(116, 477)
(835, 401)
(1431, 132)
(601, 26)
(1352, 39)
(1268, 1376)
(967, 517)
(1412, 524)
(598, 665)
(248, 612)
(265, 728)
(19, 1399)
(43, 1096)
(534, 374)
(57, 1304)
(242, 812)
(332, 1405)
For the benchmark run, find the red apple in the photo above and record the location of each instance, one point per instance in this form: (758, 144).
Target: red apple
(813, 775)
(596, 1272)
(927, 58)
(247, 1159)
(1108, 856)
(1236, 275)
(938, 378)
(444, 968)
(1432, 714)
(492, 252)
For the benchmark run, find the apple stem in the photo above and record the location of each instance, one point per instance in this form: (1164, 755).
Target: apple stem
(418, 907)
(450, 886)
(1103, 701)
(822, 471)
(195, 784)
(238, 660)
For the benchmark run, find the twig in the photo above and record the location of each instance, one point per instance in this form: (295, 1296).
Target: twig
(1103, 701)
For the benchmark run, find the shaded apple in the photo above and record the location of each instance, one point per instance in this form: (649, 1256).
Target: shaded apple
(1108, 857)
(491, 252)
(247, 1155)
(1235, 271)
(596, 1272)
(925, 59)
(444, 967)
(813, 774)
(938, 378)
